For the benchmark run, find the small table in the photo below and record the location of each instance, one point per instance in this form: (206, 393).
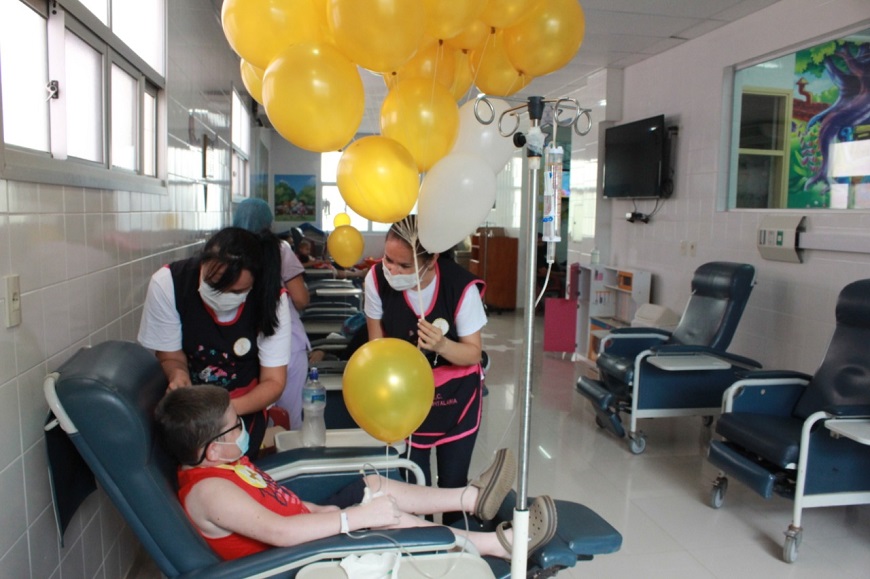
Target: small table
(857, 429)
(684, 363)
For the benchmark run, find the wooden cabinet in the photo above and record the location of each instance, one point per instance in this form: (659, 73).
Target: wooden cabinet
(607, 298)
(494, 260)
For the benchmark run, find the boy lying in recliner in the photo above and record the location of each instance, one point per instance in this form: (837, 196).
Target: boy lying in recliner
(240, 510)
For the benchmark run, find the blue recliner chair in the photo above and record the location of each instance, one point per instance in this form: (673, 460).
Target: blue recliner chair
(103, 399)
(652, 373)
(804, 437)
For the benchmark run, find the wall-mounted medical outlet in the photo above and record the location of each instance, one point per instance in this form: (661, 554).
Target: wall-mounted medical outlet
(13, 300)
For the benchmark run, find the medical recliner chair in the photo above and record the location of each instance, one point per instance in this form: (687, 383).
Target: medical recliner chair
(804, 437)
(653, 373)
(104, 398)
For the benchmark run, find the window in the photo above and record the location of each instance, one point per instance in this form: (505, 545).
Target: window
(800, 134)
(333, 203)
(25, 76)
(73, 90)
(124, 116)
(241, 143)
(763, 150)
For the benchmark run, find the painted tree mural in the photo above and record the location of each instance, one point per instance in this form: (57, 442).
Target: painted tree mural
(847, 65)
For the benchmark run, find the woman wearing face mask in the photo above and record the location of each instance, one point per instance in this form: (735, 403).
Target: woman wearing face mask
(222, 318)
(436, 305)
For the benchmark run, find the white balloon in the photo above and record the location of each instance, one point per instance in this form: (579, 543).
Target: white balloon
(455, 198)
(475, 138)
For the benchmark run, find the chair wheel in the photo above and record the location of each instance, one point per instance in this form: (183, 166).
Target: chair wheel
(790, 548)
(598, 422)
(717, 493)
(637, 443)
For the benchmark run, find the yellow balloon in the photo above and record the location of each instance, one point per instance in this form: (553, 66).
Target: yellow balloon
(435, 60)
(345, 245)
(504, 13)
(340, 219)
(547, 39)
(447, 18)
(471, 36)
(388, 388)
(252, 78)
(259, 30)
(377, 177)
(314, 97)
(493, 72)
(422, 116)
(462, 77)
(380, 35)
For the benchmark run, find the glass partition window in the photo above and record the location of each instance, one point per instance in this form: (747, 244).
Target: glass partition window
(83, 91)
(73, 89)
(124, 116)
(23, 62)
(801, 129)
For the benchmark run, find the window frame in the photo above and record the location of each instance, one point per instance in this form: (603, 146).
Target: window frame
(22, 164)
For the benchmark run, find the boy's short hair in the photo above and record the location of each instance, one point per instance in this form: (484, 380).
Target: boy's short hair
(188, 418)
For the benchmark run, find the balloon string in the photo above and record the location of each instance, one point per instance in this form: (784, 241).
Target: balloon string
(477, 70)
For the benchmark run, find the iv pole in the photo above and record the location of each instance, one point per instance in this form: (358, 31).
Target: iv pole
(535, 139)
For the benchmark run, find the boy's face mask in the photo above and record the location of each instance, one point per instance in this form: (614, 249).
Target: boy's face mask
(242, 442)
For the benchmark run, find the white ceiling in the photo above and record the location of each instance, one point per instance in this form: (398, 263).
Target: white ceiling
(619, 33)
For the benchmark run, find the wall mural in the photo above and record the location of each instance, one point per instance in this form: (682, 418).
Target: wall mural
(295, 198)
(830, 127)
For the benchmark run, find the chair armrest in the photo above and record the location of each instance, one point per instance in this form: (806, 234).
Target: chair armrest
(640, 332)
(849, 410)
(680, 349)
(772, 392)
(279, 561)
(629, 342)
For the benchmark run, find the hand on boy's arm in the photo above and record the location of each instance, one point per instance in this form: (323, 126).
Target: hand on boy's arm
(175, 368)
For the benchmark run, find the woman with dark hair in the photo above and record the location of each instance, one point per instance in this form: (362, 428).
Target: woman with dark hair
(222, 318)
(255, 215)
(435, 304)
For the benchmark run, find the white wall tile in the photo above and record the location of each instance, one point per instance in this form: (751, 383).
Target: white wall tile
(76, 245)
(36, 483)
(30, 335)
(23, 197)
(56, 314)
(12, 512)
(16, 562)
(72, 566)
(4, 197)
(24, 236)
(10, 425)
(31, 401)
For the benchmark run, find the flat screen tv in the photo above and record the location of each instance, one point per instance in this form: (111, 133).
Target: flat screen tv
(636, 164)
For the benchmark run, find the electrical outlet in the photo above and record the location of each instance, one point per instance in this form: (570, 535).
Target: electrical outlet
(691, 249)
(13, 300)
(684, 245)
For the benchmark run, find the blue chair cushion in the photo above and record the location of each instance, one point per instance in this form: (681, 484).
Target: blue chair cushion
(773, 438)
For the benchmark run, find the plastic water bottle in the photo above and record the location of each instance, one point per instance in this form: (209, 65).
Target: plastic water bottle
(313, 406)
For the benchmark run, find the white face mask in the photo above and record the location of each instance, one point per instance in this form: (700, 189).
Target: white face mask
(220, 301)
(403, 282)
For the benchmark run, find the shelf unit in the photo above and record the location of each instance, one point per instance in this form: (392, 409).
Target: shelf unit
(494, 260)
(607, 297)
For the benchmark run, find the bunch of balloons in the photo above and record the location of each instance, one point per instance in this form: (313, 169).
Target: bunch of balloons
(301, 59)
